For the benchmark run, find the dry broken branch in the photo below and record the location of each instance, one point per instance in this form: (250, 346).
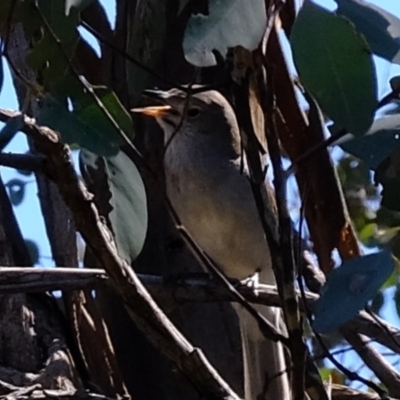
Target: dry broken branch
(184, 290)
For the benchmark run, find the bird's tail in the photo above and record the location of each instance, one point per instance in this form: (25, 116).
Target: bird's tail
(265, 367)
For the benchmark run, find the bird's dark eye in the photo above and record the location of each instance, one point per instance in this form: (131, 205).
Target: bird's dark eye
(193, 112)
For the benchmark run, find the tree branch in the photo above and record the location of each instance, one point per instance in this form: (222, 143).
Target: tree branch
(140, 305)
(340, 392)
(375, 361)
(26, 162)
(198, 289)
(31, 280)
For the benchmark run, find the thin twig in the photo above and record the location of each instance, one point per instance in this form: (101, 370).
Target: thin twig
(129, 58)
(375, 361)
(150, 71)
(341, 392)
(351, 375)
(268, 329)
(335, 136)
(291, 305)
(183, 116)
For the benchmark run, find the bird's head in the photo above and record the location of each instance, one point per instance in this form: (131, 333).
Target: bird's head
(202, 113)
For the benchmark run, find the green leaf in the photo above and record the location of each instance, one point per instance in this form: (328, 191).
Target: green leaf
(395, 245)
(9, 130)
(381, 140)
(388, 176)
(87, 108)
(53, 37)
(87, 125)
(348, 289)
(385, 235)
(16, 191)
(333, 375)
(367, 235)
(335, 64)
(75, 130)
(49, 55)
(230, 23)
(33, 250)
(380, 28)
(128, 216)
(355, 174)
(393, 278)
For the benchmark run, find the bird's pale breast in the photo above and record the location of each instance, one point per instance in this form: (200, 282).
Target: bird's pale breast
(215, 203)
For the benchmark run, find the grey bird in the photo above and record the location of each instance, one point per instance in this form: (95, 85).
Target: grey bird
(211, 193)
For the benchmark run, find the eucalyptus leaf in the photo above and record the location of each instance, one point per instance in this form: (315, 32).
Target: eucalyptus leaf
(128, 215)
(16, 191)
(379, 143)
(349, 288)
(74, 129)
(380, 28)
(230, 23)
(51, 50)
(388, 176)
(335, 64)
(33, 250)
(87, 125)
(394, 276)
(86, 107)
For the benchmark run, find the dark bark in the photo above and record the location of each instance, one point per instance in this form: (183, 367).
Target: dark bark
(33, 344)
(100, 368)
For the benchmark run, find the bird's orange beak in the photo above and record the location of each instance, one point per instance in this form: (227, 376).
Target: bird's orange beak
(152, 111)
